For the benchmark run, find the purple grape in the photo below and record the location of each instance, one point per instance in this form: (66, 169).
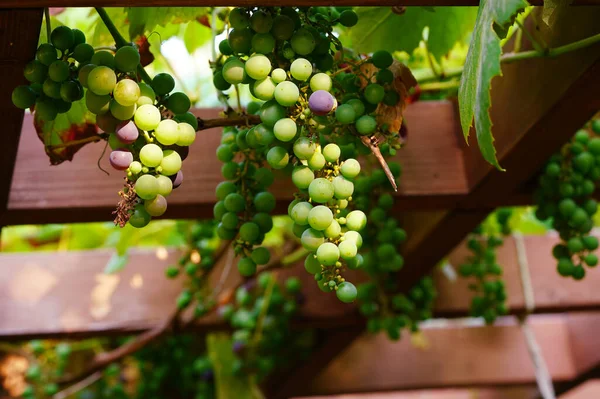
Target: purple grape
(177, 179)
(120, 159)
(321, 102)
(127, 132)
(238, 347)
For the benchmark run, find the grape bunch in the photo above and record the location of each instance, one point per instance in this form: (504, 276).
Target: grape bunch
(565, 196)
(40, 376)
(489, 300)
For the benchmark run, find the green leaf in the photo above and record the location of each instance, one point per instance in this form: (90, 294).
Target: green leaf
(481, 65)
(128, 236)
(552, 8)
(116, 263)
(102, 36)
(195, 36)
(146, 19)
(379, 28)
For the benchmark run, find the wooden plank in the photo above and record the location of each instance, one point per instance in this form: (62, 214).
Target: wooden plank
(78, 191)
(19, 30)
(453, 356)
(590, 389)
(528, 392)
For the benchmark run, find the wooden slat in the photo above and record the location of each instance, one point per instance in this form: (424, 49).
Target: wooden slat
(529, 392)
(78, 191)
(454, 356)
(590, 389)
(19, 32)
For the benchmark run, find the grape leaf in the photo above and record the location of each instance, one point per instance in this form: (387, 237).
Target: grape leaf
(76, 124)
(116, 263)
(379, 28)
(481, 65)
(145, 19)
(552, 8)
(102, 36)
(195, 36)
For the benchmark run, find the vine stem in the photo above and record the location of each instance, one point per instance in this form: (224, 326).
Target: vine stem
(244, 120)
(91, 139)
(551, 52)
(48, 24)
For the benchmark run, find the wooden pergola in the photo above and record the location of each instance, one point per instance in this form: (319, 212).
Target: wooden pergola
(446, 190)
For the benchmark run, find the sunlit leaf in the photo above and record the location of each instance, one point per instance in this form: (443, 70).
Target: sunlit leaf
(116, 263)
(195, 36)
(552, 8)
(143, 20)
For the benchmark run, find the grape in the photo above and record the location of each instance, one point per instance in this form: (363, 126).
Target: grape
(300, 212)
(234, 202)
(374, 93)
(188, 118)
(224, 189)
(70, 91)
(303, 42)
(334, 230)
(120, 159)
(108, 123)
(258, 67)
(83, 53)
(278, 75)
(147, 95)
(278, 157)
(146, 187)
(366, 125)
(285, 129)
(353, 236)
(328, 253)
(301, 69)
(140, 218)
(165, 185)
(348, 249)
(304, 148)
(238, 18)
(359, 107)
(240, 40)
(346, 292)
(233, 71)
(288, 52)
(170, 163)
(97, 104)
(187, 134)
(331, 152)
(121, 112)
(384, 76)
(321, 190)
(224, 153)
(127, 92)
(46, 54)
(324, 62)
(23, 97)
(162, 84)
(261, 255)
(246, 267)
(311, 264)
(356, 220)
(46, 109)
(321, 102)
(78, 38)
(51, 89)
(590, 242)
(62, 38)
(249, 232)
(348, 18)
(264, 202)
(261, 22)
(179, 103)
(147, 117)
(320, 81)
(151, 155)
(178, 179)
(312, 239)
(84, 73)
(391, 98)
(103, 58)
(58, 71)
(230, 170)
(101, 80)
(167, 132)
(127, 132)
(302, 176)
(382, 59)
(225, 233)
(35, 72)
(287, 93)
(230, 220)
(345, 114)
(225, 48)
(156, 206)
(342, 187)
(271, 112)
(62, 106)
(264, 222)
(127, 59)
(320, 217)
(264, 89)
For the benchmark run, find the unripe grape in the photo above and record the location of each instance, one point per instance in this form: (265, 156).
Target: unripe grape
(163, 83)
(167, 132)
(103, 58)
(240, 40)
(233, 71)
(300, 212)
(121, 112)
(84, 72)
(354, 236)
(147, 117)
(366, 124)
(374, 93)
(345, 114)
(23, 97)
(287, 93)
(165, 185)
(356, 220)
(328, 253)
(303, 42)
(151, 155)
(238, 18)
(278, 157)
(342, 187)
(261, 21)
(304, 148)
(348, 18)
(359, 107)
(264, 89)
(179, 103)
(51, 88)
(321, 190)
(311, 264)
(320, 81)
(278, 75)
(312, 239)
(170, 163)
(58, 71)
(331, 152)
(316, 162)
(83, 52)
(285, 129)
(146, 187)
(71, 91)
(264, 202)
(127, 58)
(334, 230)
(382, 59)
(301, 69)
(140, 217)
(97, 104)
(62, 38)
(156, 206)
(258, 67)
(127, 92)
(246, 267)
(46, 54)
(320, 217)
(346, 292)
(348, 249)
(35, 72)
(302, 176)
(187, 134)
(102, 80)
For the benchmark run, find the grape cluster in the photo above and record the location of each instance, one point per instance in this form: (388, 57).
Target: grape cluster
(565, 195)
(489, 300)
(41, 376)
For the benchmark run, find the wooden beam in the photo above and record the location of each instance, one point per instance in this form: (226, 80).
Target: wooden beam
(77, 191)
(526, 392)
(589, 389)
(19, 30)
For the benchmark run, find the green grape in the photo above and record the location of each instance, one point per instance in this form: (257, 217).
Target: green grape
(324, 62)
(147, 117)
(51, 88)
(590, 242)
(384, 76)
(348, 249)
(62, 38)
(167, 132)
(46, 54)
(162, 84)
(224, 189)
(224, 153)
(261, 255)
(101, 80)
(246, 267)
(311, 264)
(264, 222)
(127, 59)
(303, 42)
(249, 232)
(328, 254)
(147, 95)
(127, 92)
(359, 107)
(264, 202)
(170, 163)
(156, 206)
(187, 134)
(271, 112)
(304, 148)
(334, 230)
(302, 176)
(261, 22)
(121, 112)
(264, 89)
(83, 53)
(300, 212)
(58, 71)
(356, 220)
(222, 231)
(240, 40)
(151, 155)
(103, 58)
(321, 190)
(331, 152)
(84, 73)
(78, 38)
(320, 217)
(233, 71)
(165, 185)
(312, 239)
(301, 69)
(391, 98)
(583, 162)
(374, 93)
(97, 104)
(35, 72)
(146, 187)
(23, 97)
(179, 103)
(238, 18)
(225, 48)
(591, 260)
(345, 114)
(316, 162)
(71, 91)
(278, 157)
(366, 125)
(354, 236)
(258, 67)
(230, 220)
(234, 202)
(342, 187)
(348, 18)
(219, 210)
(596, 126)
(188, 118)
(287, 93)
(288, 52)
(382, 59)
(320, 81)
(230, 170)
(285, 129)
